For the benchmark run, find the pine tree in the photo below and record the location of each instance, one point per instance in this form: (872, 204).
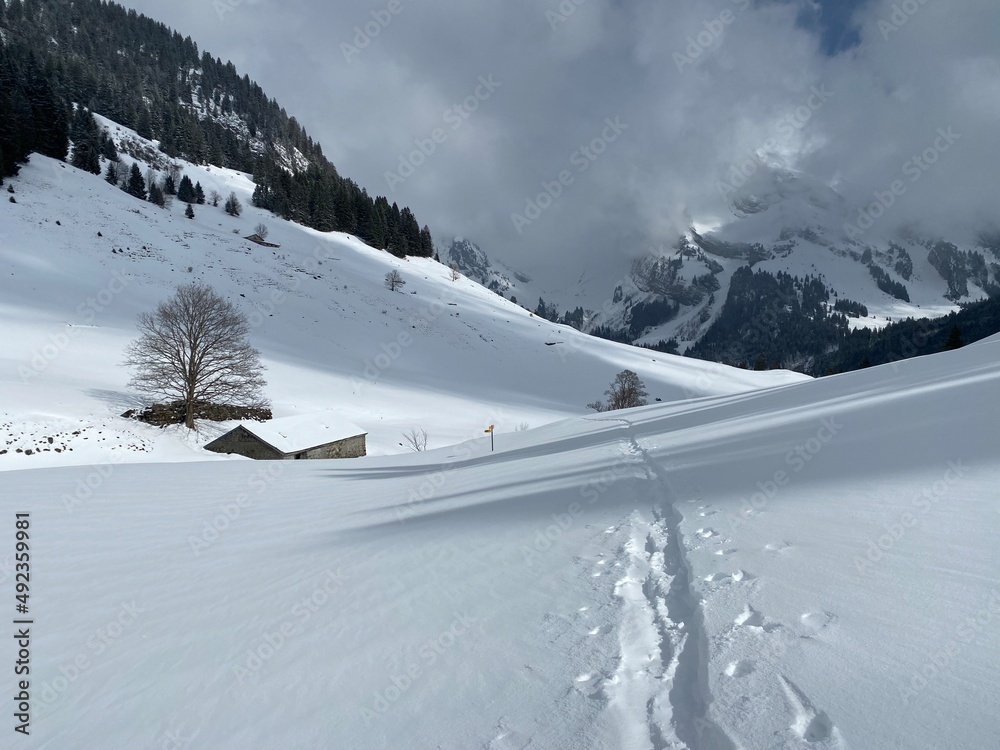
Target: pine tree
(185, 191)
(189, 211)
(199, 194)
(156, 195)
(145, 125)
(426, 243)
(136, 184)
(86, 142)
(51, 122)
(108, 149)
(955, 340)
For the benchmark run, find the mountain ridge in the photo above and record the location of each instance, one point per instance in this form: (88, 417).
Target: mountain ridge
(786, 223)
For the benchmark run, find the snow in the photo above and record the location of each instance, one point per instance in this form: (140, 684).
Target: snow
(698, 573)
(759, 561)
(448, 357)
(291, 434)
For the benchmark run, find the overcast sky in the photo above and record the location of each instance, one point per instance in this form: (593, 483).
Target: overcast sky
(690, 88)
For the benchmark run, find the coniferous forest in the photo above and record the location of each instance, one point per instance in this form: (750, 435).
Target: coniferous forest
(136, 71)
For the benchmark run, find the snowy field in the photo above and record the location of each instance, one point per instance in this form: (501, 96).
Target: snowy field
(811, 566)
(760, 561)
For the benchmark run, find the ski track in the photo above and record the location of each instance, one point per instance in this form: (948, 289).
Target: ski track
(659, 691)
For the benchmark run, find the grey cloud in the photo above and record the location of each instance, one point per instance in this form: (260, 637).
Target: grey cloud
(560, 80)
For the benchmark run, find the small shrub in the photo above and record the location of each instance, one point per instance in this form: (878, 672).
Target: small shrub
(394, 281)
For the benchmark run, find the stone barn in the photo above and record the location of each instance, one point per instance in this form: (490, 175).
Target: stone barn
(323, 435)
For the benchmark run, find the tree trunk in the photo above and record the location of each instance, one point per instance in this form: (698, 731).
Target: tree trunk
(189, 418)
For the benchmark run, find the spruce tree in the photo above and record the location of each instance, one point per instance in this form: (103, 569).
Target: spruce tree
(156, 195)
(136, 183)
(51, 121)
(108, 149)
(189, 211)
(426, 243)
(185, 191)
(199, 194)
(955, 340)
(86, 142)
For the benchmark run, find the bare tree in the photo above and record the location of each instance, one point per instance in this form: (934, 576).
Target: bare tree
(123, 173)
(416, 439)
(455, 273)
(626, 390)
(394, 280)
(216, 196)
(261, 230)
(522, 427)
(194, 349)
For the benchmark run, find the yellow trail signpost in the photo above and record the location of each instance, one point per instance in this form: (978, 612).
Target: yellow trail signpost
(490, 430)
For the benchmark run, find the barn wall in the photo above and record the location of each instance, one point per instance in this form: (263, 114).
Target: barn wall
(350, 448)
(243, 443)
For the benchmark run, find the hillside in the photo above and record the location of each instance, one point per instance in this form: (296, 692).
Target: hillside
(57, 56)
(83, 258)
(805, 567)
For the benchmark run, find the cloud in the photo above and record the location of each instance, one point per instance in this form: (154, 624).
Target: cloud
(898, 71)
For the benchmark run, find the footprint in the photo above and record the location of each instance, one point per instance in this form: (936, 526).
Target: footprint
(750, 618)
(739, 668)
(778, 547)
(817, 621)
(810, 724)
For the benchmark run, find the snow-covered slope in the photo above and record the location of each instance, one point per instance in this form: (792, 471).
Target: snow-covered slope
(812, 566)
(81, 259)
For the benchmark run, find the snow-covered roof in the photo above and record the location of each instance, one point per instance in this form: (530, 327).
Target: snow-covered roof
(299, 433)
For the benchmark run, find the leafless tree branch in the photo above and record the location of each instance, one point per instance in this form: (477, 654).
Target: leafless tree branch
(194, 348)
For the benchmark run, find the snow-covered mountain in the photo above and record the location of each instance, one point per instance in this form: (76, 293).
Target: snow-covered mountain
(82, 259)
(784, 221)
